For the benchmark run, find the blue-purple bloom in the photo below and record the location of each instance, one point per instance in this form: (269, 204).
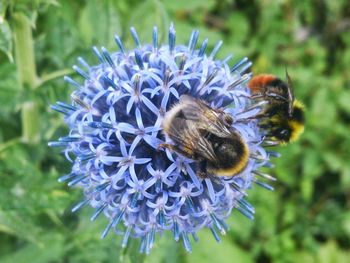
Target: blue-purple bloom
(115, 128)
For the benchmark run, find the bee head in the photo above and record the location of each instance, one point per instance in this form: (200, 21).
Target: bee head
(297, 121)
(287, 129)
(283, 134)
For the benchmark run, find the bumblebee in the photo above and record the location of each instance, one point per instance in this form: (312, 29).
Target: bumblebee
(283, 116)
(205, 135)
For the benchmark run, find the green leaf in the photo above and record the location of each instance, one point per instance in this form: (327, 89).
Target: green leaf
(85, 244)
(144, 23)
(6, 38)
(239, 27)
(344, 101)
(132, 251)
(207, 250)
(14, 223)
(165, 250)
(312, 164)
(188, 5)
(3, 8)
(50, 250)
(333, 161)
(98, 23)
(304, 256)
(345, 176)
(307, 188)
(9, 89)
(331, 253)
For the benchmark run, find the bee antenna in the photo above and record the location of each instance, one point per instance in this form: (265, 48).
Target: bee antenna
(289, 81)
(290, 92)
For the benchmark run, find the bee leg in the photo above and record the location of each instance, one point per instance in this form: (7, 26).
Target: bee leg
(257, 96)
(202, 169)
(171, 147)
(174, 148)
(275, 96)
(254, 117)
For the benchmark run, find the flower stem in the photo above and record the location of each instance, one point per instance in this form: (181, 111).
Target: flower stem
(27, 76)
(53, 75)
(30, 122)
(24, 46)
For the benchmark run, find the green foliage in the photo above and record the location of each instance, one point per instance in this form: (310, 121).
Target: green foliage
(5, 39)
(306, 218)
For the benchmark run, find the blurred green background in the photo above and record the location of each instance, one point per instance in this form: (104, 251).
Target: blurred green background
(306, 218)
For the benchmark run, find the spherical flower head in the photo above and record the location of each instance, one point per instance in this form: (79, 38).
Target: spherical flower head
(115, 122)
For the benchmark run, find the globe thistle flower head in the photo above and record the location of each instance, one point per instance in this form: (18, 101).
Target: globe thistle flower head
(115, 122)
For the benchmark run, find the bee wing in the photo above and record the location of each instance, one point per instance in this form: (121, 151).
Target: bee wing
(190, 139)
(206, 118)
(204, 149)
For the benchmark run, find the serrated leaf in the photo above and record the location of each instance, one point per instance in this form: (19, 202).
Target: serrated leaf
(6, 38)
(9, 88)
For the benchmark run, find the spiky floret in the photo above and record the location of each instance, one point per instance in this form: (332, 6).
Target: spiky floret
(115, 128)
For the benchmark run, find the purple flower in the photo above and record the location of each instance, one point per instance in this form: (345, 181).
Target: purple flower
(115, 129)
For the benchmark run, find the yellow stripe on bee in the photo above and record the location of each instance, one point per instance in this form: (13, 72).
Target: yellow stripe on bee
(298, 104)
(297, 127)
(236, 169)
(297, 130)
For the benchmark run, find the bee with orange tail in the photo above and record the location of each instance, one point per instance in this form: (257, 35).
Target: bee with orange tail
(283, 116)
